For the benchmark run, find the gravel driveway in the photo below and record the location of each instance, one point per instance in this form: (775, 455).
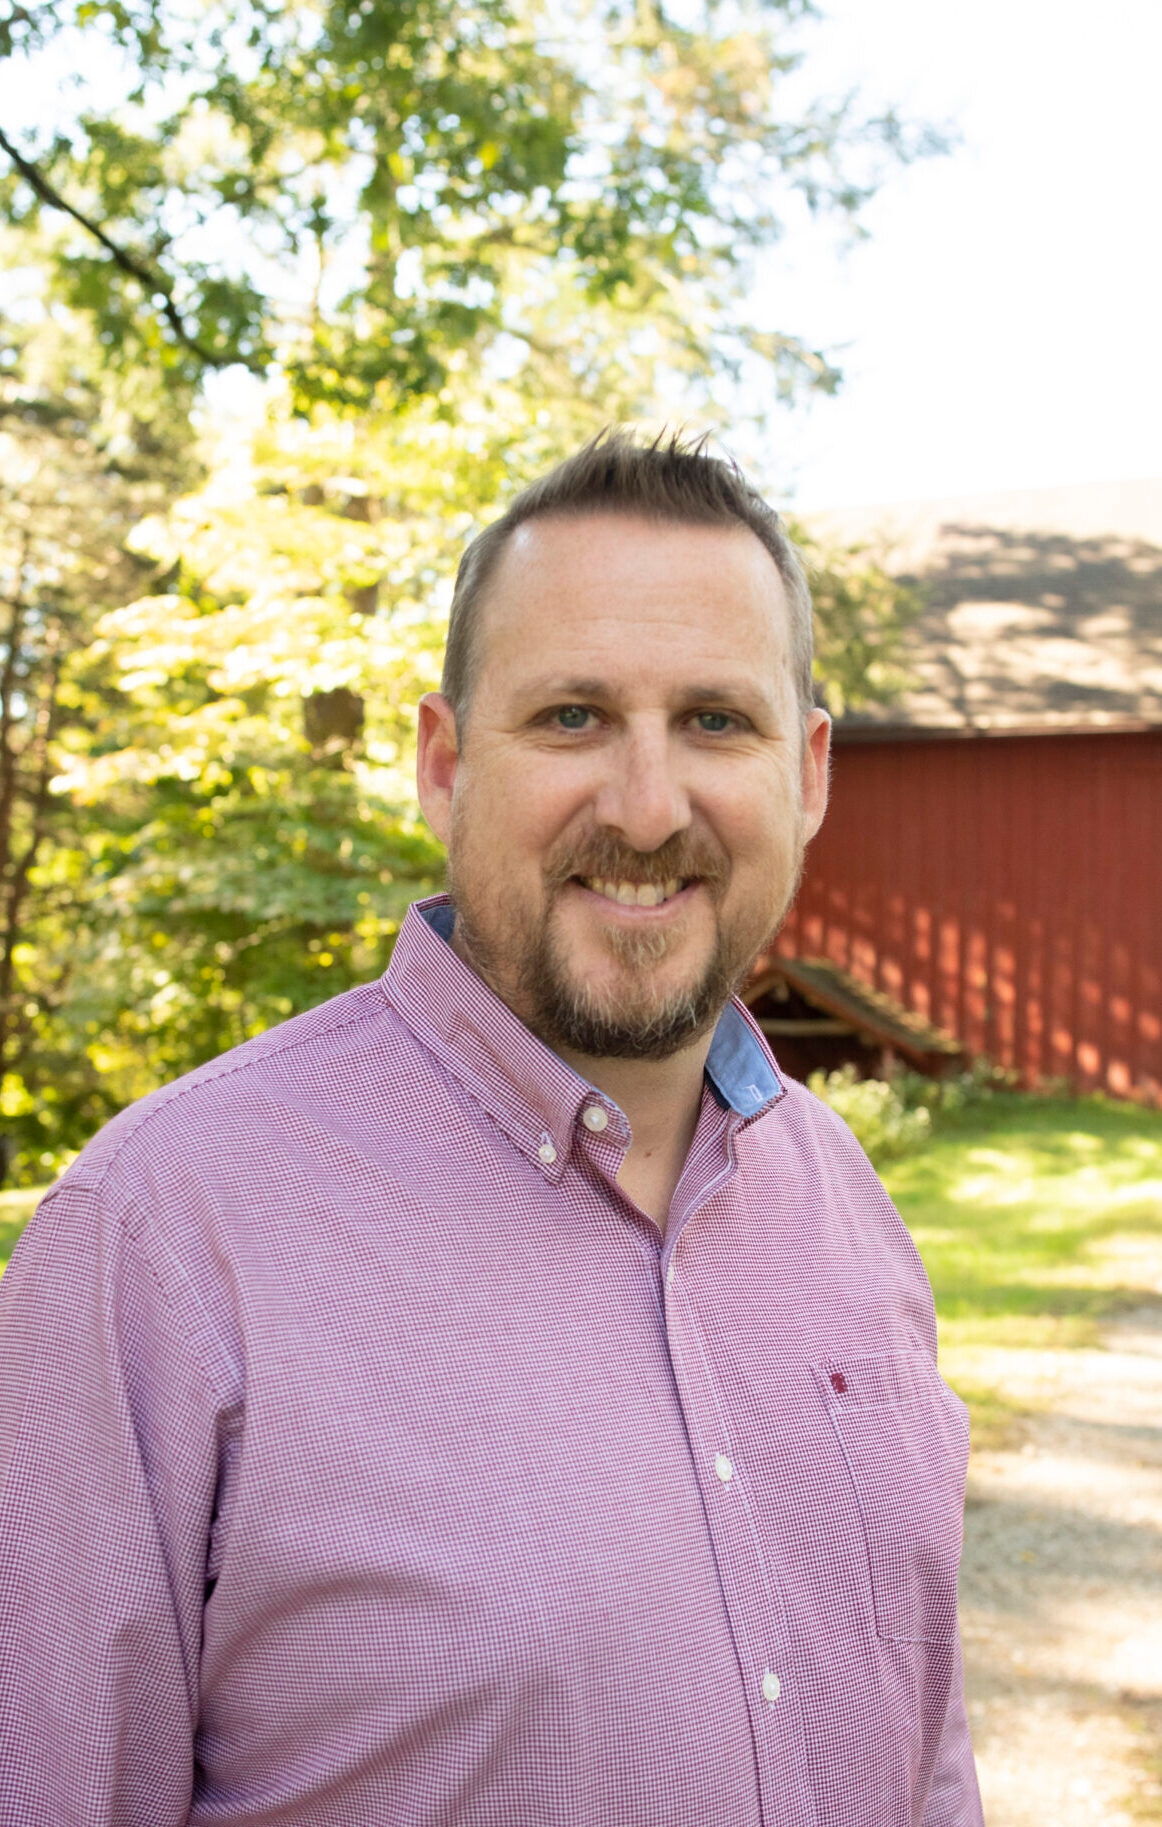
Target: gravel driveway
(1062, 1586)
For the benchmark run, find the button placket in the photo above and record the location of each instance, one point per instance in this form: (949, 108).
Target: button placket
(750, 1584)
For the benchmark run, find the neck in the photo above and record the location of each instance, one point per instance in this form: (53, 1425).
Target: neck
(661, 1099)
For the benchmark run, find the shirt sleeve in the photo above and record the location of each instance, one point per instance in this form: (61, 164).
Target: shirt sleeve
(954, 1796)
(110, 1437)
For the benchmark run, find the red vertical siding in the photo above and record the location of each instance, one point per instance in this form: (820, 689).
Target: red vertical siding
(1007, 887)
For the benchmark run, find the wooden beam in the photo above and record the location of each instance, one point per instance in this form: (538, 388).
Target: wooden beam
(821, 1025)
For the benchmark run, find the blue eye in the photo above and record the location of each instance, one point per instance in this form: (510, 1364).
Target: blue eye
(572, 716)
(713, 722)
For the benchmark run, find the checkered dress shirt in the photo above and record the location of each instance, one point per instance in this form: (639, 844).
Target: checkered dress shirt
(367, 1458)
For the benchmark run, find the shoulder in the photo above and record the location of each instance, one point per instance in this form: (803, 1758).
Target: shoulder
(804, 1120)
(805, 1155)
(213, 1099)
(811, 1141)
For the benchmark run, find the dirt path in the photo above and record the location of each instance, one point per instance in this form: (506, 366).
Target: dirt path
(1062, 1584)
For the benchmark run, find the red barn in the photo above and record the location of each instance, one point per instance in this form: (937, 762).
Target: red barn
(991, 864)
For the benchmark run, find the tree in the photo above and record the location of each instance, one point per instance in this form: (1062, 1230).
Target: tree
(361, 193)
(76, 472)
(862, 616)
(256, 836)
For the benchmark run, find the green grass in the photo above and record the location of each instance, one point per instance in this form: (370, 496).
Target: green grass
(1036, 1217)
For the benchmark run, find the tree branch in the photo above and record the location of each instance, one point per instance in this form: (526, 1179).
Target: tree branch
(153, 281)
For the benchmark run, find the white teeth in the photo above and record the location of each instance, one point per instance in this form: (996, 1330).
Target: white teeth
(634, 894)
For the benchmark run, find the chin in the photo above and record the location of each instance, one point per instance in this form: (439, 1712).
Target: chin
(635, 994)
(639, 980)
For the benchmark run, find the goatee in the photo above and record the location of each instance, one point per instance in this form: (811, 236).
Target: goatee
(639, 1023)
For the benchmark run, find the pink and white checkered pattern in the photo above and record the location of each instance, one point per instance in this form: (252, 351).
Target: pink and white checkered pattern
(367, 1459)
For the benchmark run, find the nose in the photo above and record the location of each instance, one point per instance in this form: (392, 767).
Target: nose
(642, 796)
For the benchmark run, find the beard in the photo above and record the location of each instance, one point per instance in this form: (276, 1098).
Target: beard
(637, 1021)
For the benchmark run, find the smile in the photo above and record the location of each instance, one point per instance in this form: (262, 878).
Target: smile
(634, 894)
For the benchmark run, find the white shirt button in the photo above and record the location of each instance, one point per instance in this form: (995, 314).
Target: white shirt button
(724, 1468)
(547, 1152)
(772, 1687)
(595, 1118)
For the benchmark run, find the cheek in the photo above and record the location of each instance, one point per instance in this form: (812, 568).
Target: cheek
(762, 840)
(761, 814)
(513, 813)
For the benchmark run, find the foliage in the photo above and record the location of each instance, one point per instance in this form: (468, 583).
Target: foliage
(266, 711)
(244, 773)
(897, 1116)
(862, 617)
(361, 194)
(874, 1110)
(960, 1091)
(76, 471)
(16, 1208)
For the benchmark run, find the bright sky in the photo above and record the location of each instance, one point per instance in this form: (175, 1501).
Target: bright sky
(1002, 328)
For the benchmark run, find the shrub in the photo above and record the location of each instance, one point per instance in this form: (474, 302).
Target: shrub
(876, 1110)
(947, 1096)
(896, 1116)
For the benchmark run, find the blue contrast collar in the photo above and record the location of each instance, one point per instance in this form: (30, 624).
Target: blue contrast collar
(740, 1070)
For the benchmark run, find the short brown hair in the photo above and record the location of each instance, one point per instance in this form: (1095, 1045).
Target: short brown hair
(670, 479)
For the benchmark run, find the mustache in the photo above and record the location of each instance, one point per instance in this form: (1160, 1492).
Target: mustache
(603, 855)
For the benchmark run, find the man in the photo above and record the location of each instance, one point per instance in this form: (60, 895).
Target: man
(497, 1397)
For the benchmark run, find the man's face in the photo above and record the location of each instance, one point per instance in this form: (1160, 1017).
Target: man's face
(627, 812)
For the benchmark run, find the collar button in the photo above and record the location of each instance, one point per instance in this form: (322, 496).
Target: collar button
(595, 1118)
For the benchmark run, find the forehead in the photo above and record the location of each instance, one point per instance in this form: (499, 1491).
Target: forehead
(633, 593)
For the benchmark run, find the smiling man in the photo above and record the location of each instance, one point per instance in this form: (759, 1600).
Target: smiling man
(498, 1397)
(626, 765)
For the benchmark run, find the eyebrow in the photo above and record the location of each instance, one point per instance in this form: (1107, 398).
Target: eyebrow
(742, 693)
(594, 687)
(567, 688)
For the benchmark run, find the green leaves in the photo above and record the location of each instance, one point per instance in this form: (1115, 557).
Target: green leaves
(358, 194)
(862, 616)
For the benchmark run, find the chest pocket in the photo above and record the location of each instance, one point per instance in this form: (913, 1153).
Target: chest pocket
(904, 1436)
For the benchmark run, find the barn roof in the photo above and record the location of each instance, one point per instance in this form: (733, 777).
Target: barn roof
(854, 1008)
(1043, 609)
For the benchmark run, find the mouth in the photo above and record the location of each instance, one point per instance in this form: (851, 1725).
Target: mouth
(636, 894)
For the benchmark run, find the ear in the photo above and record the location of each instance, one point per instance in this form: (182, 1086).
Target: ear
(816, 761)
(437, 756)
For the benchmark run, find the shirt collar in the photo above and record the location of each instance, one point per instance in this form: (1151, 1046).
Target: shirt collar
(741, 1070)
(529, 1090)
